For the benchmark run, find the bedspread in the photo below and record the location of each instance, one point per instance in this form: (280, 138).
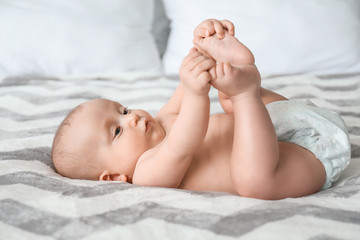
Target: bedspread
(37, 203)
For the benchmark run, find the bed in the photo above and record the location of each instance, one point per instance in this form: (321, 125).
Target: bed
(38, 203)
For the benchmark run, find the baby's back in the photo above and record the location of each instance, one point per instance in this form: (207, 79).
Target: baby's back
(210, 167)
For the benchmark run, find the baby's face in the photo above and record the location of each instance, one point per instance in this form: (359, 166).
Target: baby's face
(116, 136)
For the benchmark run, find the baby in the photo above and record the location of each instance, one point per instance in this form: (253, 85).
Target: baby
(288, 148)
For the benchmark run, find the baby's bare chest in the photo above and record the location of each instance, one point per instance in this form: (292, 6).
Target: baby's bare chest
(219, 137)
(210, 168)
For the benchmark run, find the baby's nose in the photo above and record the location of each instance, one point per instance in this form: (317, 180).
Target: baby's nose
(133, 119)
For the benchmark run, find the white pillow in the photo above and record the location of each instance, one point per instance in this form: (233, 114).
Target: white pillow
(286, 36)
(75, 38)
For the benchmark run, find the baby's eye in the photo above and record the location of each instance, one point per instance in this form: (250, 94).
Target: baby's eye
(117, 131)
(126, 111)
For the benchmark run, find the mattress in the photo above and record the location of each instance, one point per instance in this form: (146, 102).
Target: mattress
(37, 203)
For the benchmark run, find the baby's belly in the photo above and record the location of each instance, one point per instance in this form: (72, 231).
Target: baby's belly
(213, 177)
(210, 167)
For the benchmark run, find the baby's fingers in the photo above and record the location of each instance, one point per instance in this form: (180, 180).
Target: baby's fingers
(205, 78)
(203, 66)
(220, 33)
(193, 53)
(229, 26)
(212, 72)
(202, 32)
(193, 50)
(205, 29)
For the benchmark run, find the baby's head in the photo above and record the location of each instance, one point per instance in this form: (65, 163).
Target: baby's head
(103, 140)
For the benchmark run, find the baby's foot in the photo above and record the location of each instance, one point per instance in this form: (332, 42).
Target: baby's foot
(227, 50)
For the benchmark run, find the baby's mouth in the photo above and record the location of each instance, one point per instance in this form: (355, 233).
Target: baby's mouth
(147, 125)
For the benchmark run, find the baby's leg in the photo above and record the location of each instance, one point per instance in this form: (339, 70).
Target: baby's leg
(260, 166)
(226, 50)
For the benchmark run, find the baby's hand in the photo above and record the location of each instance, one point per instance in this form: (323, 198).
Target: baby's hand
(194, 72)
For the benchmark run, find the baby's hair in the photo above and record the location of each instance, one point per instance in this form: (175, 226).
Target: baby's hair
(67, 162)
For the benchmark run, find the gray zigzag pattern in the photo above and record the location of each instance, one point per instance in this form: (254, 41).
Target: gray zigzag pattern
(40, 154)
(80, 93)
(43, 100)
(350, 114)
(36, 80)
(355, 151)
(17, 116)
(40, 181)
(344, 88)
(350, 87)
(54, 185)
(33, 219)
(20, 117)
(45, 223)
(337, 76)
(354, 130)
(29, 133)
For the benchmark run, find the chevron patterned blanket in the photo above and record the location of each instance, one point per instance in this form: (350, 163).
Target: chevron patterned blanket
(37, 203)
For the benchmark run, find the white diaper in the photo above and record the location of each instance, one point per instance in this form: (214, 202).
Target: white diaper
(322, 132)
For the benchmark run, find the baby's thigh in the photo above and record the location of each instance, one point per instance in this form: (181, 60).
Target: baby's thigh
(299, 172)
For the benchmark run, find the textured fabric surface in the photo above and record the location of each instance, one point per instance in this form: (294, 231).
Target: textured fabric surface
(37, 203)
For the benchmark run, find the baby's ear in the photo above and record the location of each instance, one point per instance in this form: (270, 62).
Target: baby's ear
(107, 176)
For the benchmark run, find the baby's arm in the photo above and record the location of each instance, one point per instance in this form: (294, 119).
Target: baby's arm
(191, 123)
(168, 164)
(174, 103)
